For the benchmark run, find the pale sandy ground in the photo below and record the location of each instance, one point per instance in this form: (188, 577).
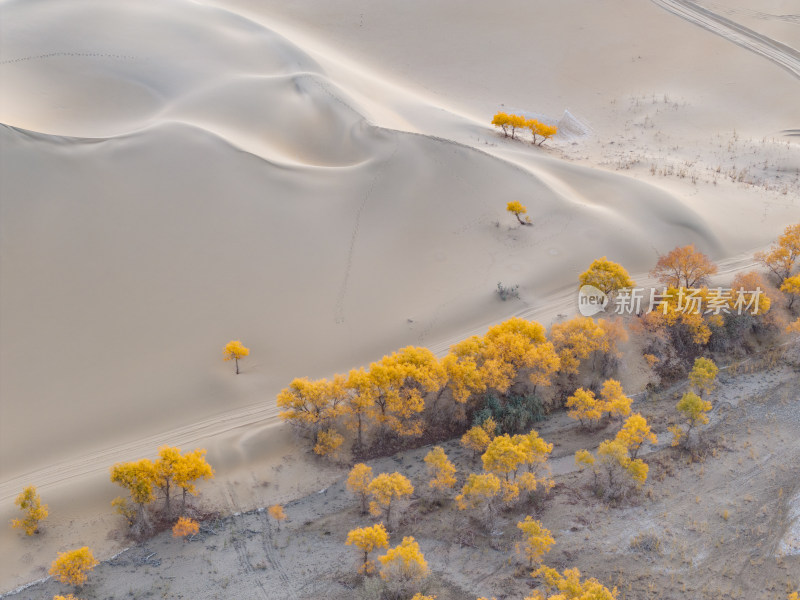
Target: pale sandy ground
(320, 181)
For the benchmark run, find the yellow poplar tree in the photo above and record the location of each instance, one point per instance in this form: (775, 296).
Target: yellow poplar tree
(191, 467)
(400, 382)
(613, 457)
(584, 407)
(464, 377)
(571, 587)
(234, 350)
(358, 482)
(328, 443)
(440, 469)
(72, 567)
(694, 409)
(313, 405)
(703, 375)
(184, 527)
(613, 399)
(138, 477)
(575, 340)
(35, 512)
(368, 539)
(791, 286)
(536, 540)
(501, 120)
(384, 490)
(517, 209)
(359, 402)
(404, 565)
(780, 258)
(481, 493)
(164, 472)
(684, 267)
(634, 433)
(276, 512)
(606, 276)
(478, 437)
(539, 129)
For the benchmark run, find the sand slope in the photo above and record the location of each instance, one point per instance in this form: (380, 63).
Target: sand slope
(173, 176)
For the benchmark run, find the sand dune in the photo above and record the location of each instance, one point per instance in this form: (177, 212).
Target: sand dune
(173, 176)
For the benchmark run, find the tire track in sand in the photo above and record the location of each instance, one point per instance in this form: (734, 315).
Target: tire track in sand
(781, 54)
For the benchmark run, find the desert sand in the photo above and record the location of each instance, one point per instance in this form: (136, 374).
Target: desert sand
(322, 182)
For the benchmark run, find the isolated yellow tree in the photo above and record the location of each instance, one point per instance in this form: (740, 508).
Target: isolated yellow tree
(368, 539)
(703, 375)
(358, 482)
(478, 438)
(684, 267)
(278, 515)
(606, 276)
(791, 286)
(571, 587)
(34, 511)
(421, 596)
(138, 477)
(188, 469)
(783, 254)
(67, 597)
(440, 469)
(634, 433)
(184, 527)
(399, 384)
(584, 406)
(404, 565)
(72, 567)
(536, 540)
(234, 350)
(517, 209)
(385, 490)
(693, 409)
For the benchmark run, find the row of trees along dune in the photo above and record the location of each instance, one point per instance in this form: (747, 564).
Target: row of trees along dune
(412, 395)
(509, 124)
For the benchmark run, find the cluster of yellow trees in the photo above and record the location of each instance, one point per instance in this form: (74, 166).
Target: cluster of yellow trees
(540, 132)
(391, 396)
(170, 473)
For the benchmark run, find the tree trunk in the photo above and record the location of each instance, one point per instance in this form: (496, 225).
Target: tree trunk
(236, 360)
